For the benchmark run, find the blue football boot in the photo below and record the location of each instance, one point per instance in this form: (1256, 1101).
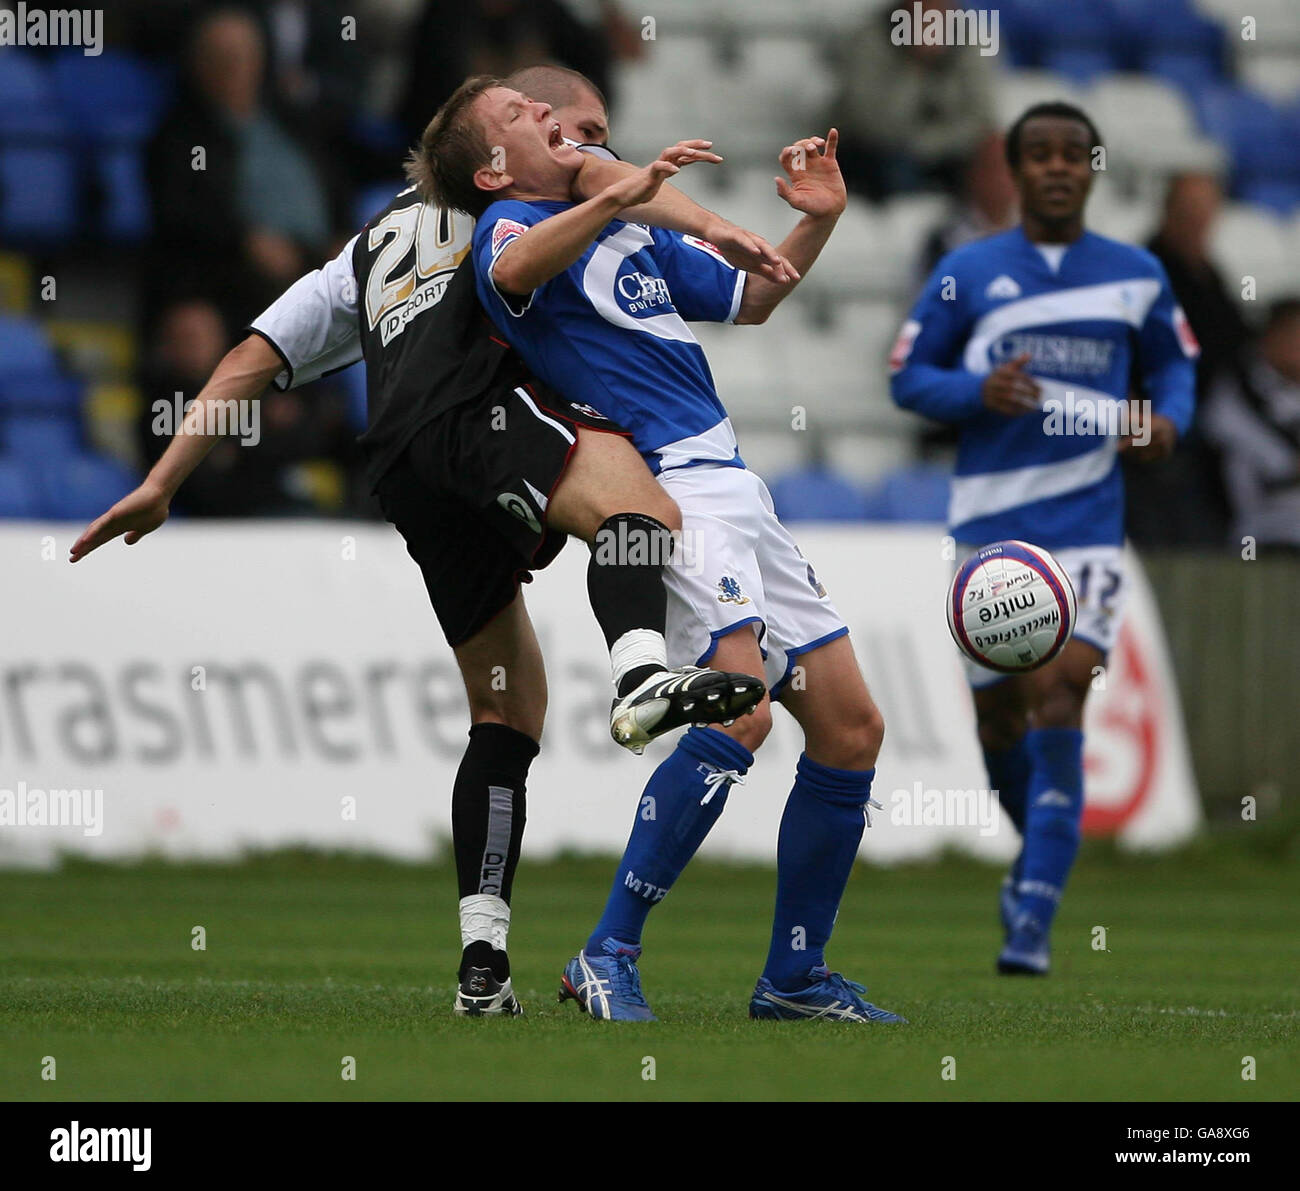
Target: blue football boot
(607, 986)
(829, 997)
(1026, 952)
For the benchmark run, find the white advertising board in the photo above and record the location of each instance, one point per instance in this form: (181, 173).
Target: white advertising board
(274, 683)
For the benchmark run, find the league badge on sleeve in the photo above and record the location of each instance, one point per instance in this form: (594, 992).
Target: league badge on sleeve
(705, 246)
(503, 231)
(903, 345)
(1186, 336)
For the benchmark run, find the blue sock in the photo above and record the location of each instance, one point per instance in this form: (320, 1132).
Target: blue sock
(820, 832)
(680, 804)
(1009, 771)
(1053, 815)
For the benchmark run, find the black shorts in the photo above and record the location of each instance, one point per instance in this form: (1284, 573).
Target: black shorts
(469, 495)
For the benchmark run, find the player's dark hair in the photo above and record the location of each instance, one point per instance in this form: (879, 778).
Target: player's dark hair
(1056, 108)
(557, 85)
(452, 146)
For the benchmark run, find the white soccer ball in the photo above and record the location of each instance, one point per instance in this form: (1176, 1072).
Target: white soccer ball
(1011, 607)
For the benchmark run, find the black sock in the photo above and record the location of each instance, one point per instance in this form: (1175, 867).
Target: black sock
(625, 583)
(487, 822)
(481, 954)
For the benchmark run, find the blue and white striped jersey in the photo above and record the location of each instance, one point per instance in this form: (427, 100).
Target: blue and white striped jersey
(1097, 318)
(610, 331)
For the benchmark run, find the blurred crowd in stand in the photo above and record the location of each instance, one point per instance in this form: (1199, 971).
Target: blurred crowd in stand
(265, 133)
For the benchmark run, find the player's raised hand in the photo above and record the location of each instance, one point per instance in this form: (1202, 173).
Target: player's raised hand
(1009, 390)
(136, 514)
(642, 185)
(815, 186)
(690, 153)
(750, 252)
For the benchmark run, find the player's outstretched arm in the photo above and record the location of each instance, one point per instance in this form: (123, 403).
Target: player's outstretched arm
(677, 212)
(242, 375)
(547, 248)
(816, 188)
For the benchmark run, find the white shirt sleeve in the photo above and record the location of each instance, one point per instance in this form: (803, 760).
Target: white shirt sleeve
(313, 325)
(603, 152)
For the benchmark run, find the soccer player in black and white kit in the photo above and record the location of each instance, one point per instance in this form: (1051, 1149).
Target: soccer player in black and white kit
(484, 471)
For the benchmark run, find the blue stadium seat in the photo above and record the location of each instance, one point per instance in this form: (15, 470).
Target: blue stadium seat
(24, 350)
(84, 486)
(38, 172)
(47, 393)
(1091, 26)
(380, 134)
(40, 408)
(918, 493)
(38, 194)
(1151, 28)
(353, 381)
(1020, 29)
(26, 94)
(116, 102)
(370, 200)
(1081, 64)
(1278, 194)
(818, 494)
(41, 438)
(127, 213)
(1246, 124)
(18, 492)
(113, 96)
(1188, 70)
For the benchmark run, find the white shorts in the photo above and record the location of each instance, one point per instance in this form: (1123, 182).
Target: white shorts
(739, 566)
(1100, 591)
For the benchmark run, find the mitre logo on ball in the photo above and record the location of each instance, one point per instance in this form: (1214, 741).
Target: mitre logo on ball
(1011, 607)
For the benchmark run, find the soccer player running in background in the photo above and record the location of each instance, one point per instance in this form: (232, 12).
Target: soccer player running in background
(483, 471)
(1027, 341)
(602, 304)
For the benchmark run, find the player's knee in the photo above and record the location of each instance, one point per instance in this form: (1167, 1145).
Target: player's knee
(526, 715)
(1060, 706)
(607, 478)
(852, 742)
(632, 539)
(873, 728)
(528, 721)
(1000, 730)
(861, 741)
(659, 505)
(751, 730)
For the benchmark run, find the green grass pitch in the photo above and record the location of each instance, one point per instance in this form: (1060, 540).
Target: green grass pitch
(313, 958)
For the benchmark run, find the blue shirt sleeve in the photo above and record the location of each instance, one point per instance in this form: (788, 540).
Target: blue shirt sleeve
(499, 226)
(705, 288)
(925, 365)
(1166, 355)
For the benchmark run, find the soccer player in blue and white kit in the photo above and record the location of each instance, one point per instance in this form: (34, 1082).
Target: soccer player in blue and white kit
(604, 304)
(1015, 338)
